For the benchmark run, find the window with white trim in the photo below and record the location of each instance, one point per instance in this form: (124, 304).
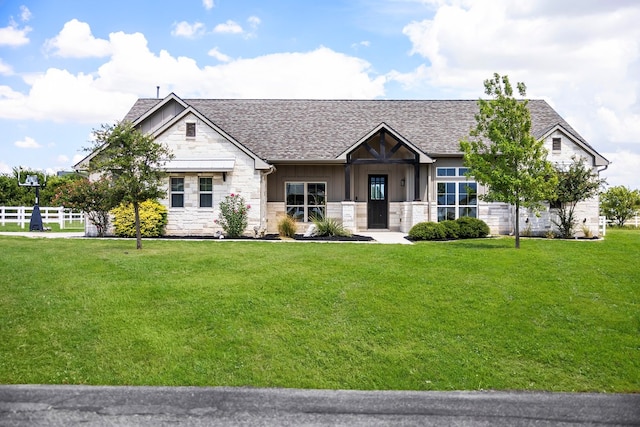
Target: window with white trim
(305, 200)
(457, 199)
(446, 172)
(177, 192)
(205, 187)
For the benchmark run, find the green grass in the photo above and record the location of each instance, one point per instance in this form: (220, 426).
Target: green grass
(54, 226)
(466, 315)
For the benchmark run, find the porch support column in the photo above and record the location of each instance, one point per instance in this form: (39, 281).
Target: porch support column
(347, 181)
(416, 180)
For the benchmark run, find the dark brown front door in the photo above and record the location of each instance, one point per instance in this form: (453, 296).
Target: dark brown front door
(377, 207)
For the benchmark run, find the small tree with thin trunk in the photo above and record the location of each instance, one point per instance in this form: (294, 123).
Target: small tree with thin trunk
(620, 203)
(575, 184)
(134, 162)
(502, 154)
(95, 198)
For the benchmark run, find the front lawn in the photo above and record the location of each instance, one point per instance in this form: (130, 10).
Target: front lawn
(462, 315)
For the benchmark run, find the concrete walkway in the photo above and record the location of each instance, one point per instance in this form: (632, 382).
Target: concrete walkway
(387, 237)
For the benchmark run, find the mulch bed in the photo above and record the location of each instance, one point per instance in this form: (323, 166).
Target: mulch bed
(301, 237)
(352, 238)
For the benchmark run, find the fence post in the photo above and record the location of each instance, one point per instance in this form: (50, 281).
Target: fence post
(603, 224)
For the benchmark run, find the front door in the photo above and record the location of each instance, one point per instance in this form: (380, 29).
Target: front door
(377, 207)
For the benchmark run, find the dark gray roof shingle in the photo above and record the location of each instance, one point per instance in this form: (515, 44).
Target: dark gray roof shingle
(322, 129)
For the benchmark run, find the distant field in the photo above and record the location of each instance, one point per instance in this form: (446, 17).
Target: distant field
(467, 315)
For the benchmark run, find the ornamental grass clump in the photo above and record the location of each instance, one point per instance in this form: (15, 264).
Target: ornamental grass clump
(287, 226)
(234, 215)
(329, 227)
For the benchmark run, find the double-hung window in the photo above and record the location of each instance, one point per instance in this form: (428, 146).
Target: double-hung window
(206, 192)
(177, 192)
(457, 199)
(305, 200)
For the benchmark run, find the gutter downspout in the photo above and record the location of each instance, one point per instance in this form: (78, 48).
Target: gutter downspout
(263, 196)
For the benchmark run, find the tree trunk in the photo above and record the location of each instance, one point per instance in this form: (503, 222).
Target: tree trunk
(136, 210)
(517, 230)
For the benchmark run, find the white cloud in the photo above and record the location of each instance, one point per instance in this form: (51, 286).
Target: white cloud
(583, 57)
(61, 158)
(61, 96)
(27, 142)
(321, 73)
(76, 41)
(5, 69)
(5, 168)
(25, 13)
(623, 169)
(254, 21)
(364, 43)
(14, 36)
(208, 4)
(184, 29)
(229, 27)
(132, 71)
(215, 53)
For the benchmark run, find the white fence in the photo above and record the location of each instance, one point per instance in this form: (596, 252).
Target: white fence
(22, 215)
(635, 221)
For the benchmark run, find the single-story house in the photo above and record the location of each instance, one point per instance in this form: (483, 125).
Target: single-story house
(374, 164)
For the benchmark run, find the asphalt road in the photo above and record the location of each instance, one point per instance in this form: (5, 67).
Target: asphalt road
(32, 405)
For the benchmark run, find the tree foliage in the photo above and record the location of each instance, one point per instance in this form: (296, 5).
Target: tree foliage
(619, 204)
(12, 194)
(95, 198)
(576, 183)
(502, 154)
(133, 161)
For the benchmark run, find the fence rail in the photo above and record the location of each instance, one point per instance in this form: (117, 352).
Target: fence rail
(22, 215)
(604, 222)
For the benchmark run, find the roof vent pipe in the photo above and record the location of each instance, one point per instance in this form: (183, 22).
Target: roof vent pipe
(157, 92)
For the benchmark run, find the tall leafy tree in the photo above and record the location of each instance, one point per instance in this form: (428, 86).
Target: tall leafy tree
(133, 161)
(620, 203)
(11, 194)
(576, 183)
(502, 154)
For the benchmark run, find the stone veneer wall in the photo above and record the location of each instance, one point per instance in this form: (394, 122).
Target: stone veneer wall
(244, 179)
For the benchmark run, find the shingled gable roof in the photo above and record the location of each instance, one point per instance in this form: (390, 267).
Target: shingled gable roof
(321, 130)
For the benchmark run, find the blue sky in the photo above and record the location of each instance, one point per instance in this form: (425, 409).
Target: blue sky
(68, 66)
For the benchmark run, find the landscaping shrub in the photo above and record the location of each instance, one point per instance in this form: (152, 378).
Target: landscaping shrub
(471, 228)
(428, 231)
(153, 219)
(287, 226)
(452, 228)
(329, 227)
(234, 215)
